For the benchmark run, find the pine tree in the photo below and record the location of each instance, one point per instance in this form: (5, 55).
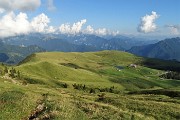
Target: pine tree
(12, 73)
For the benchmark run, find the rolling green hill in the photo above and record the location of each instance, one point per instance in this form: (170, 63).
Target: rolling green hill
(93, 85)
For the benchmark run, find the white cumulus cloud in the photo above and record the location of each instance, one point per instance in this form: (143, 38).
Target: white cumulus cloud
(65, 28)
(101, 31)
(12, 25)
(50, 29)
(24, 5)
(40, 23)
(148, 23)
(104, 31)
(89, 30)
(74, 29)
(77, 28)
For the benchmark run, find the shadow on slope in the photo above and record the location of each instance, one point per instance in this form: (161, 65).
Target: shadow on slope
(161, 64)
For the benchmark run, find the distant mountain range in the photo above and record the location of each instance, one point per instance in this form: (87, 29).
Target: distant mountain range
(14, 49)
(76, 43)
(12, 54)
(168, 49)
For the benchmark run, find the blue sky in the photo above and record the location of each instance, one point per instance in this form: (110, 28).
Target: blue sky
(110, 12)
(124, 16)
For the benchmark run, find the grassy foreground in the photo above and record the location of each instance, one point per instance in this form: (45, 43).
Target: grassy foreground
(93, 85)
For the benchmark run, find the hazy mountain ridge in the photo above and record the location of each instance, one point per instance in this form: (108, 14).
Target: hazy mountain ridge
(75, 43)
(167, 49)
(13, 54)
(12, 47)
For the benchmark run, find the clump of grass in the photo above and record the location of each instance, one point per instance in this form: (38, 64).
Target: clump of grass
(101, 97)
(33, 81)
(79, 86)
(95, 89)
(92, 91)
(11, 96)
(60, 84)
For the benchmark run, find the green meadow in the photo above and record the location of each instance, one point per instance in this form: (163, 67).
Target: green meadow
(106, 85)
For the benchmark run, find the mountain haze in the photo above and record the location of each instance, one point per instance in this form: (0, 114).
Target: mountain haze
(76, 43)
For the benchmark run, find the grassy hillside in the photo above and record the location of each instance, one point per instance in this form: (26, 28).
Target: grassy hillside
(93, 85)
(93, 69)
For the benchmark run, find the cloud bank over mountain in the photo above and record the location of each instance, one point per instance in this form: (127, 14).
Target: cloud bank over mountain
(75, 28)
(29, 16)
(13, 23)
